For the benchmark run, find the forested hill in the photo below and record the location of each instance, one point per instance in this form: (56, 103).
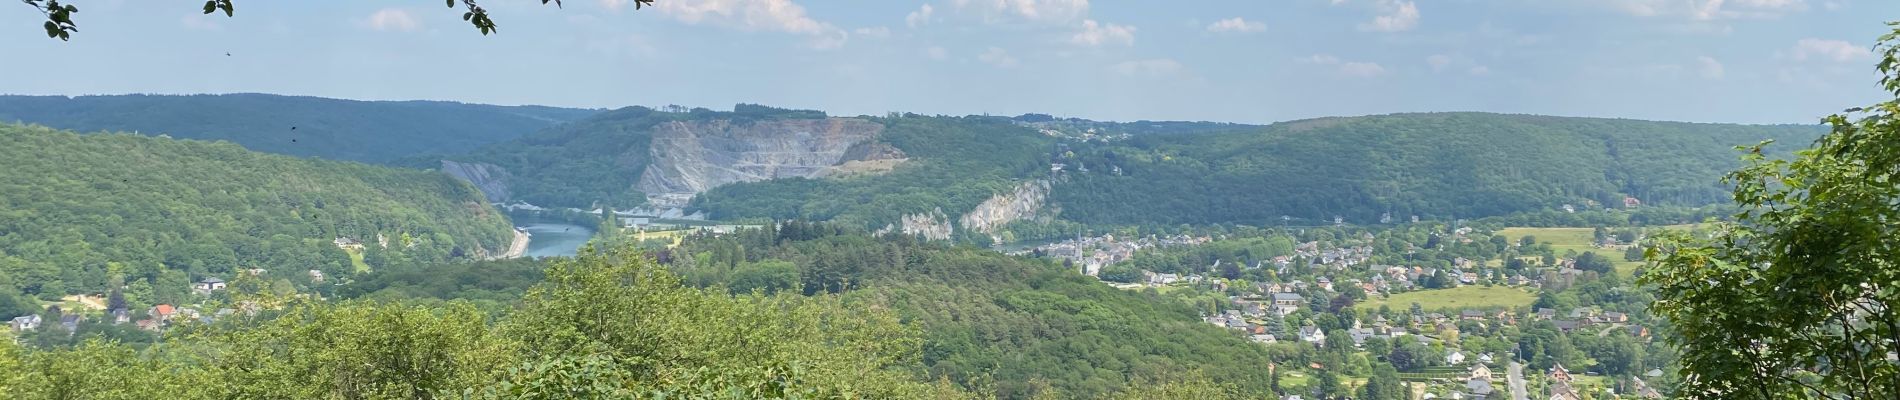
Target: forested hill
(373, 131)
(79, 211)
(1435, 165)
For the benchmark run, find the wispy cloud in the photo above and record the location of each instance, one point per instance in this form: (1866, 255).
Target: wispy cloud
(1395, 16)
(1353, 69)
(1236, 25)
(392, 19)
(782, 16)
(1829, 50)
(919, 17)
(1097, 34)
(1056, 11)
(1709, 68)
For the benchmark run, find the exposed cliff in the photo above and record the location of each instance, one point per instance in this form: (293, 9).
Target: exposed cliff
(490, 179)
(689, 157)
(934, 225)
(1022, 203)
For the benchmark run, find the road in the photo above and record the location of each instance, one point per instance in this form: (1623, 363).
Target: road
(1517, 382)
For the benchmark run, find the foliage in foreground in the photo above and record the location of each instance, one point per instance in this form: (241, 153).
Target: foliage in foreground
(609, 324)
(1797, 299)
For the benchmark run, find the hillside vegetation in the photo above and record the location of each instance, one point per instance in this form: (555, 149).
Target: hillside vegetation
(82, 213)
(1434, 165)
(374, 131)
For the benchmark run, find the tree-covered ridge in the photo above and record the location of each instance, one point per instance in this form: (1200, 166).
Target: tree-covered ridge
(606, 325)
(372, 131)
(1433, 165)
(86, 213)
(1001, 325)
(597, 160)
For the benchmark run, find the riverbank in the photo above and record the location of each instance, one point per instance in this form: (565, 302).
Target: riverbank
(516, 248)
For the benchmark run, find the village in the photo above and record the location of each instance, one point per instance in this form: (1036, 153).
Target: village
(1461, 304)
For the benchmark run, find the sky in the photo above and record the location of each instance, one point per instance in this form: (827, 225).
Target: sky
(1254, 61)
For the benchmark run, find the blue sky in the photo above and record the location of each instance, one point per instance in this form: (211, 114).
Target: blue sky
(1749, 61)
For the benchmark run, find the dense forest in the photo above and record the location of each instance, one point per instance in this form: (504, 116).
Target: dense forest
(371, 131)
(91, 213)
(1443, 165)
(1008, 326)
(607, 325)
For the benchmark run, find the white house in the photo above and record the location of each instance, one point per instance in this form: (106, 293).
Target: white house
(209, 285)
(26, 323)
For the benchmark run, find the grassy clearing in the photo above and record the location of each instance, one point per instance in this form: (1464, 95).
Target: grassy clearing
(356, 259)
(1456, 299)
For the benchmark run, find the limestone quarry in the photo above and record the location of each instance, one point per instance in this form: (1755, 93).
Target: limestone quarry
(689, 157)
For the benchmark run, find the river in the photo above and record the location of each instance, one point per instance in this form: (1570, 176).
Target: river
(554, 239)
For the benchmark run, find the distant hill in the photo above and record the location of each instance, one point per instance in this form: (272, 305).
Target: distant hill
(1436, 165)
(78, 212)
(371, 131)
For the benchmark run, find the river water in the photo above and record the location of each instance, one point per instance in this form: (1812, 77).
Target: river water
(554, 239)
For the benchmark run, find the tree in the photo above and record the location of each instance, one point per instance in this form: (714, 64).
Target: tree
(59, 16)
(1383, 385)
(1798, 297)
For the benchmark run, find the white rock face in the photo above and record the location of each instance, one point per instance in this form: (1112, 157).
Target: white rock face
(934, 225)
(490, 179)
(1022, 203)
(693, 156)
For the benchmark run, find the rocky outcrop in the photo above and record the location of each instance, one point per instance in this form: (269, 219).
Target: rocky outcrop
(934, 225)
(1021, 203)
(490, 179)
(689, 157)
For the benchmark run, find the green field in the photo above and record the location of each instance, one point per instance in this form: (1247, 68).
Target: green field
(356, 259)
(1463, 297)
(1579, 240)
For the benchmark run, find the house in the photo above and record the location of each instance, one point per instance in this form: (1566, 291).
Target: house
(162, 312)
(1325, 283)
(148, 325)
(1559, 374)
(1616, 317)
(1287, 303)
(1455, 358)
(1485, 359)
(348, 244)
(316, 276)
(209, 285)
(26, 323)
(1264, 339)
(1637, 331)
(1163, 279)
(1480, 372)
(1546, 313)
(1471, 315)
(1566, 325)
(1477, 389)
(1312, 334)
(120, 316)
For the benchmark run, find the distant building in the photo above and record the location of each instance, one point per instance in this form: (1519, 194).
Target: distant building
(208, 285)
(25, 323)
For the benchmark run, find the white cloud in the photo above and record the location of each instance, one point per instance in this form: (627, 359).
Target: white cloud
(1478, 70)
(392, 19)
(1830, 50)
(613, 5)
(1355, 69)
(919, 17)
(1438, 62)
(1395, 16)
(1710, 68)
(1361, 69)
(1705, 10)
(937, 53)
(1097, 34)
(757, 15)
(998, 57)
(1033, 10)
(1150, 67)
(1237, 25)
(876, 32)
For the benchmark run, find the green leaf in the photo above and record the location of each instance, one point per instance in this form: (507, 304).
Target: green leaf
(211, 6)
